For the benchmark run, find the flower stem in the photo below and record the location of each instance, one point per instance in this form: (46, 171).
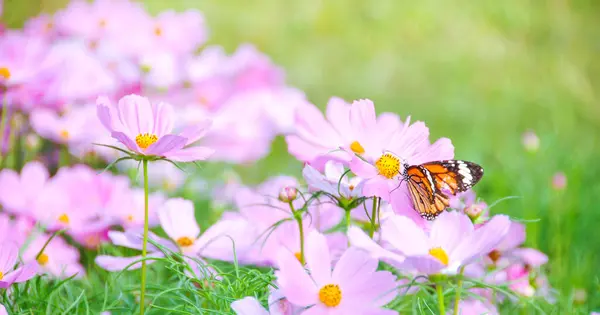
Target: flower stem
(348, 220)
(440, 295)
(298, 218)
(374, 216)
(458, 289)
(145, 242)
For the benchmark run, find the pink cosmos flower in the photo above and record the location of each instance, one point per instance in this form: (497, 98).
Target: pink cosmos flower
(379, 158)
(19, 192)
(3, 310)
(353, 286)
(352, 127)
(467, 202)
(559, 181)
(127, 208)
(509, 250)
(74, 127)
(453, 241)
(59, 259)
(278, 305)
(180, 33)
(14, 230)
(9, 254)
(146, 129)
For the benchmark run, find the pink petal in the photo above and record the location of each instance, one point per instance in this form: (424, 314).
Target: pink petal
(355, 266)
(426, 264)
(295, 284)
(375, 290)
(482, 240)
(136, 114)
(358, 238)
(12, 197)
(163, 119)
(196, 131)
(124, 139)
(44, 122)
(177, 218)
(362, 116)
(9, 252)
(312, 127)
(113, 263)
(442, 149)
(219, 240)
(22, 273)
(362, 168)
(514, 237)
(318, 258)
(405, 236)
(449, 229)
(34, 176)
(166, 144)
(317, 181)
(106, 114)
(338, 114)
(191, 154)
(377, 187)
(320, 309)
(248, 306)
(531, 256)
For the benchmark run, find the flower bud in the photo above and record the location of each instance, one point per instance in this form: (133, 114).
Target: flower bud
(474, 211)
(531, 142)
(32, 142)
(559, 181)
(288, 194)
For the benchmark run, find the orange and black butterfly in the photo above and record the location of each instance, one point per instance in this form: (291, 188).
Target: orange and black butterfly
(429, 184)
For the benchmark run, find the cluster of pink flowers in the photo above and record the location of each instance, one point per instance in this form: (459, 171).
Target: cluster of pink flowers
(77, 76)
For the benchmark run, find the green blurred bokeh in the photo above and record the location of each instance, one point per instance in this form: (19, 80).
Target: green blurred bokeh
(478, 72)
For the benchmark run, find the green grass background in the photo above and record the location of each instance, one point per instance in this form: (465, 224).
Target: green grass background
(478, 72)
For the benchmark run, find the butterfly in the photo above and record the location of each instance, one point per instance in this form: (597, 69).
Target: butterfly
(430, 183)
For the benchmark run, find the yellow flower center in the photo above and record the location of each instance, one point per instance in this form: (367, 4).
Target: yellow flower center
(43, 259)
(64, 134)
(144, 140)
(102, 23)
(157, 31)
(130, 218)
(439, 254)
(64, 218)
(330, 295)
(1, 275)
(357, 148)
(298, 256)
(351, 187)
(388, 165)
(184, 241)
(5, 73)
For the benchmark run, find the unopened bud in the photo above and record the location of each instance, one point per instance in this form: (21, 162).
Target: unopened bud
(288, 194)
(559, 181)
(579, 296)
(531, 142)
(474, 211)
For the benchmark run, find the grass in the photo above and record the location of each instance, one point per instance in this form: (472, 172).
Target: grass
(480, 73)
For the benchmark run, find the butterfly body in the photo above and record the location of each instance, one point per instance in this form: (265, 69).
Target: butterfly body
(429, 184)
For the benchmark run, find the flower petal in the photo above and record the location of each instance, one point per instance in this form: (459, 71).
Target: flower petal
(124, 139)
(136, 114)
(177, 218)
(9, 252)
(248, 306)
(405, 236)
(166, 144)
(295, 284)
(196, 131)
(426, 264)
(191, 154)
(355, 266)
(449, 229)
(318, 258)
(163, 119)
(362, 168)
(482, 240)
(113, 263)
(514, 237)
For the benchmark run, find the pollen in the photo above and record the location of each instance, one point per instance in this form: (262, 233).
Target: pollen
(64, 218)
(144, 140)
(158, 31)
(439, 254)
(351, 187)
(185, 241)
(357, 148)
(43, 259)
(388, 165)
(102, 23)
(130, 218)
(494, 255)
(298, 256)
(330, 295)
(5, 73)
(1, 275)
(64, 134)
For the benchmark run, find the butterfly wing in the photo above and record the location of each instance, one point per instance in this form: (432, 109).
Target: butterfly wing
(430, 183)
(427, 200)
(453, 176)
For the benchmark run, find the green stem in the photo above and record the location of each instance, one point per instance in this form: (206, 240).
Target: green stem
(458, 289)
(48, 242)
(373, 216)
(440, 295)
(298, 217)
(348, 220)
(145, 242)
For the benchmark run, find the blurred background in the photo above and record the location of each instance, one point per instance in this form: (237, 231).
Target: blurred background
(481, 73)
